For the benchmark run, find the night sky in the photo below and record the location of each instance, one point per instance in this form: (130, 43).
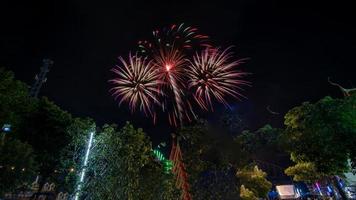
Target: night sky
(292, 49)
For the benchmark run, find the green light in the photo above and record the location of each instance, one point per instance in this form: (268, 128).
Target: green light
(167, 164)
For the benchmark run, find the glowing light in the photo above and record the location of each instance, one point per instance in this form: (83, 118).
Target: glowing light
(318, 188)
(298, 192)
(168, 67)
(329, 189)
(82, 174)
(6, 127)
(167, 164)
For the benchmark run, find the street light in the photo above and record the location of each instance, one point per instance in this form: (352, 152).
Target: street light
(6, 128)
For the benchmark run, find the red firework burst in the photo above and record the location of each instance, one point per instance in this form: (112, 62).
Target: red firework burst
(213, 74)
(171, 76)
(137, 82)
(180, 36)
(169, 49)
(170, 63)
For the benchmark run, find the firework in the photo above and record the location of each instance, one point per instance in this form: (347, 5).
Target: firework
(137, 83)
(177, 36)
(170, 63)
(213, 74)
(169, 49)
(174, 69)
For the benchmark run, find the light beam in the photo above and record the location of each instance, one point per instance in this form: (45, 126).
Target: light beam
(82, 174)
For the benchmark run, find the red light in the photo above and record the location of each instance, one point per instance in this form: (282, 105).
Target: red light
(168, 67)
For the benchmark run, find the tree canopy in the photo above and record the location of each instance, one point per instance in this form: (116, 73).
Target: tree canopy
(122, 166)
(211, 157)
(17, 165)
(321, 137)
(252, 179)
(40, 125)
(15, 103)
(264, 144)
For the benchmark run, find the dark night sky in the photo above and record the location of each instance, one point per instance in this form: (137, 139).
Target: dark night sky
(293, 48)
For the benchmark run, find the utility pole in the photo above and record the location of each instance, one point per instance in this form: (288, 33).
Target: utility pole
(41, 77)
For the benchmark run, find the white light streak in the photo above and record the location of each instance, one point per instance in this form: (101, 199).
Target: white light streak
(82, 174)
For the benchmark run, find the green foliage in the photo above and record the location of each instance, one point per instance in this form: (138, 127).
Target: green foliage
(46, 132)
(156, 184)
(254, 180)
(246, 194)
(123, 167)
(210, 156)
(264, 144)
(15, 103)
(349, 115)
(322, 134)
(215, 184)
(71, 157)
(304, 171)
(232, 122)
(17, 165)
(194, 147)
(38, 122)
(206, 148)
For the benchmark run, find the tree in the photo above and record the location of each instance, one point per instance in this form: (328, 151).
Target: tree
(46, 131)
(154, 184)
(123, 167)
(232, 121)
(72, 155)
(16, 104)
(57, 139)
(264, 144)
(17, 158)
(304, 171)
(247, 194)
(211, 157)
(348, 116)
(253, 180)
(17, 165)
(321, 137)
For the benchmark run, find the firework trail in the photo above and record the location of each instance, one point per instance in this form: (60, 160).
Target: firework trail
(169, 49)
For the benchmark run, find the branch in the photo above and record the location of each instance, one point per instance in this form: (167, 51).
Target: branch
(272, 112)
(345, 91)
